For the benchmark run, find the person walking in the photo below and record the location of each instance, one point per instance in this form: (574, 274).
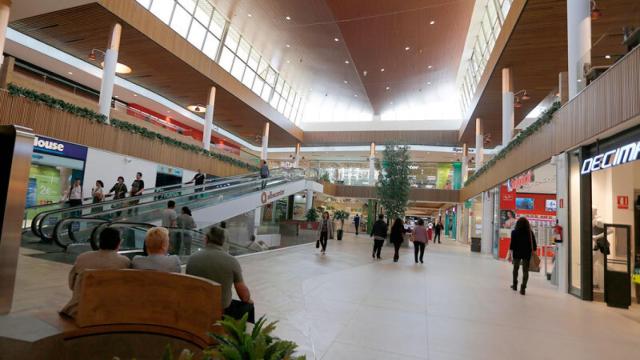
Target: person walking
(186, 223)
(438, 231)
(397, 237)
(137, 187)
(264, 173)
(97, 195)
(419, 237)
(119, 189)
(379, 234)
(356, 223)
(523, 244)
(325, 231)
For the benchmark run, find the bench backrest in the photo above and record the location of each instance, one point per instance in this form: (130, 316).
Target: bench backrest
(141, 297)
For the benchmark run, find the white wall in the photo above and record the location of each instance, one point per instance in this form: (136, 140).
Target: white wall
(107, 166)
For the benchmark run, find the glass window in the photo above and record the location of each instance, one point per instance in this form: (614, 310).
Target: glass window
(188, 5)
(257, 86)
(254, 59)
(266, 92)
(226, 59)
(248, 77)
(281, 105)
(287, 110)
(144, 3)
(271, 77)
(203, 12)
(279, 86)
(162, 9)
(243, 50)
(211, 46)
(238, 69)
(274, 100)
(232, 40)
(217, 24)
(262, 68)
(180, 21)
(197, 34)
(285, 90)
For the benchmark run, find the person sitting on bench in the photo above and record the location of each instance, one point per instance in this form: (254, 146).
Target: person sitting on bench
(215, 264)
(107, 258)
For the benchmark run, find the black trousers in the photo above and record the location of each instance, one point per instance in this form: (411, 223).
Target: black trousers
(377, 248)
(324, 236)
(237, 309)
(396, 248)
(525, 272)
(418, 249)
(436, 237)
(357, 226)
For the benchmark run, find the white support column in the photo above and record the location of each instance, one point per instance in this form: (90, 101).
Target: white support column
(479, 144)
(208, 119)
(578, 42)
(562, 197)
(507, 106)
(486, 241)
(465, 163)
(5, 9)
(296, 157)
(265, 142)
(372, 164)
(109, 71)
(309, 199)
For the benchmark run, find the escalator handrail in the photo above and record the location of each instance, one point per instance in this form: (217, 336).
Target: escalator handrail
(70, 221)
(36, 223)
(156, 189)
(92, 216)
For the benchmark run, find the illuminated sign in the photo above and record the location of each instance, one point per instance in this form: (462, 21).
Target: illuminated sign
(519, 181)
(264, 197)
(615, 157)
(42, 144)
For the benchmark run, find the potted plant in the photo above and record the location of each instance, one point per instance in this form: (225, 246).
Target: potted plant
(312, 217)
(340, 215)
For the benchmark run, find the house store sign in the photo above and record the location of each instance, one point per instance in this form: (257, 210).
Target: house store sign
(622, 155)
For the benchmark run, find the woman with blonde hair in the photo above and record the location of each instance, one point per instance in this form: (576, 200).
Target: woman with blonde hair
(157, 244)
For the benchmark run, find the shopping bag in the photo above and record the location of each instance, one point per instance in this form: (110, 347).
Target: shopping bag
(534, 262)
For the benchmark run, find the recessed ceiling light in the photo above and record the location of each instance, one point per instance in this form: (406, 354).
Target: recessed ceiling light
(70, 73)
(168, 111)
(288, 45)
(336, 39)
(432, 22)
(135, 94)
(346, 82)
(249, 15)
(428, 82)
(407, 48)
(382, 70)
(429, 67)
(607, 56)
(346, 61)
(288, 61)
(391, 103)
(356, 95)
(288, 17)
(116, 96)
(387, 88)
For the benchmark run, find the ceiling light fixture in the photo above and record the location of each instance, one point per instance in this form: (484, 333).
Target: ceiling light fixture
(429, 67)
(288, 17)
(197, 108)
(70, 73)
(249, 15)
(288, 61)
(428, 82)
(356, 95)
(135, 94)
(288, 45)
(382, 70)
(387, 88)
(346, 61)
(607, 56)
(432, 22)
(346, 82)
(407, 48)
(595, 11)
(336, 39)
(120, 68)
(517, 104)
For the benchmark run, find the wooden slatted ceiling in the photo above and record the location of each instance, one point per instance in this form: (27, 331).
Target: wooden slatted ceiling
(537, 52)
(78, 30)
(377, 31)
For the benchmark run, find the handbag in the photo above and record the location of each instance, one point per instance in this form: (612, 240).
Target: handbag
(317, 243)
(534, 263)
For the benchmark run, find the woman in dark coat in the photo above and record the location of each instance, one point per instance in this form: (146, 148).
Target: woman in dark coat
(523, 243)
(397, 237)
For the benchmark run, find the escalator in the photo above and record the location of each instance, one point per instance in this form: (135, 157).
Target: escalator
(210, 203)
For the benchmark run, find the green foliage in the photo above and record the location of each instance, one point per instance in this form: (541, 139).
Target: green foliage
(122, 125)
(325, 177)
(393, 182)
(342, 216)
(544, 119)
(259, 344)
(312, 215)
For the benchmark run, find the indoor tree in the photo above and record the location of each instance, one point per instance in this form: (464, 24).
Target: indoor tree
(341, 216)
(393, 181)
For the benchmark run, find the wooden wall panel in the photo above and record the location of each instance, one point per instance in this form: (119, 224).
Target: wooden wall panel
(64, 126)
(612, 101)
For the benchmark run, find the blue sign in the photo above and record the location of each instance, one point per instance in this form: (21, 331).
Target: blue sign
(60, 148)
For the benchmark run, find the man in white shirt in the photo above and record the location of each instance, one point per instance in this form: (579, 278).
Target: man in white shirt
(169, 215)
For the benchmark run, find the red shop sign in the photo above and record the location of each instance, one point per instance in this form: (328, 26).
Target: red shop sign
(521, 180)
(623, 202)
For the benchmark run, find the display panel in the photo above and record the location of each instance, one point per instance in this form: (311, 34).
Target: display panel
(550, 205)
(524, 203)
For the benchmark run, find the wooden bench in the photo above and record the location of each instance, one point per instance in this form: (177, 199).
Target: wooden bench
(141, 301)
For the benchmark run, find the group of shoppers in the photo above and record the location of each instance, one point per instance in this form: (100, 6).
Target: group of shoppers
(419, 236)
(212, 262)
(74, 195)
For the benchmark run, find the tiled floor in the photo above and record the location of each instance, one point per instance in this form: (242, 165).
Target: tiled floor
(457, 305)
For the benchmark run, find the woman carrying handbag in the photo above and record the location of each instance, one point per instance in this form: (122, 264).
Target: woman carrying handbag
(325, 231)
(522, 251)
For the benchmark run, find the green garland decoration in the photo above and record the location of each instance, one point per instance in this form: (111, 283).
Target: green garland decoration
(93, 116)
(543, 120)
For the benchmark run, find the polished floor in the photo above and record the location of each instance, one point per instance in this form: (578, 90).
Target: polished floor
(345, 305)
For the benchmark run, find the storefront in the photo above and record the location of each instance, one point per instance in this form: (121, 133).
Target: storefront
(604, 203)
(54, 165)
